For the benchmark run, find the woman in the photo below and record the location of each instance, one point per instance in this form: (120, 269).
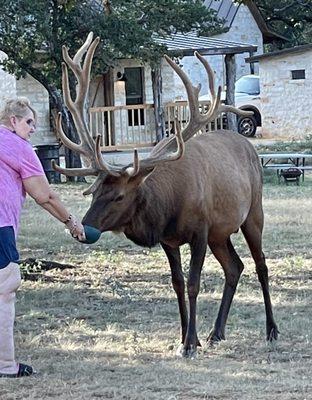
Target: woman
(20, 173)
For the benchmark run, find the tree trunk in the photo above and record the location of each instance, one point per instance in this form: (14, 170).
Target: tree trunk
(158, 103)
(230, 70)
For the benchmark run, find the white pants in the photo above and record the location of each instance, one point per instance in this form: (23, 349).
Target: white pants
(10, 280)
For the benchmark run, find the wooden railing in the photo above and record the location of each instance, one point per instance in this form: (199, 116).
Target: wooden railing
(124, 127)
(179, 110)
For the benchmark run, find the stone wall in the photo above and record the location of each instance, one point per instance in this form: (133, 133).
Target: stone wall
(39, 99)
(286, 103)
(38, 96)
(7, 83)
(243, 30)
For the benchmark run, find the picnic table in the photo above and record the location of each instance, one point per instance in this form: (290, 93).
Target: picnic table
(282, 161)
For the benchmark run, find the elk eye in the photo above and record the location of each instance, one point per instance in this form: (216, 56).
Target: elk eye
(119, 198)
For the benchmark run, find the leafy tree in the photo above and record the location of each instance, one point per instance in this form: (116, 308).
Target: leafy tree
(32, 34)
(291, 18)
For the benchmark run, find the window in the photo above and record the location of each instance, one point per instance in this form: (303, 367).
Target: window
(298, 74)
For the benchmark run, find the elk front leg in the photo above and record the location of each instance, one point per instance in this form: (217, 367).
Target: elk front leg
(174, 259)
(198, 252)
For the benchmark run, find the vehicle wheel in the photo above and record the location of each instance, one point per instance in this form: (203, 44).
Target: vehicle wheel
(247, 126)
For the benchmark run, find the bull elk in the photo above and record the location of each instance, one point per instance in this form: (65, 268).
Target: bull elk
(196, 190)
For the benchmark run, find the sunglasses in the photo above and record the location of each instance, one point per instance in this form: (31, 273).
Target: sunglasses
(31, 122)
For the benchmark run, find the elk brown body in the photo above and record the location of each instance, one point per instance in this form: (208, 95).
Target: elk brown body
(196, 190)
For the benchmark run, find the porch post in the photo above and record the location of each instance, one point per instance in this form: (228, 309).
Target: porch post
(158, 103)
(252, 65)
(230, 72)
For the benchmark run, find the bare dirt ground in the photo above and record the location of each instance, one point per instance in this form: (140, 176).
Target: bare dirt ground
(109, 328)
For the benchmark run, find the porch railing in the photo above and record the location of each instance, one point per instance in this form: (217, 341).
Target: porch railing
(123, 127)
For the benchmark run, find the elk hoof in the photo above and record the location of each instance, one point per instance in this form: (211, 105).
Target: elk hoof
(272, 334)
(190, 352)
(214, 338)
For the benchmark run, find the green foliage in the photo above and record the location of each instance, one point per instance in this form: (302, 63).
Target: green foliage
(32, 33)
(291, 18)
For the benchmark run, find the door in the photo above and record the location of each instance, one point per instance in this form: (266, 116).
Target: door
(134, 94)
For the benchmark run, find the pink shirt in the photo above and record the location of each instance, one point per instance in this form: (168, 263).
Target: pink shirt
(18, 161)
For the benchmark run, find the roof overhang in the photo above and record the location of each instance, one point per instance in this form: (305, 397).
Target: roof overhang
(278, 53)
(268, 34)
(179, 44)
(226, 10)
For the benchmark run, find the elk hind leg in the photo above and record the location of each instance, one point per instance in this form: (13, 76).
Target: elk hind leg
(252, 230)
(232, 267)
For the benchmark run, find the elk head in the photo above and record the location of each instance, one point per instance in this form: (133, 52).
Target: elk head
(116, 189)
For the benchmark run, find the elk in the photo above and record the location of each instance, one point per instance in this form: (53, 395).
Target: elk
(195, 190)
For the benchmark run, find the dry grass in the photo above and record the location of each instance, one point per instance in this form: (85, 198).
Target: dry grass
(109, 328)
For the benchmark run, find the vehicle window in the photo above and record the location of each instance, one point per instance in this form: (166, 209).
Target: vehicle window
(247, 85)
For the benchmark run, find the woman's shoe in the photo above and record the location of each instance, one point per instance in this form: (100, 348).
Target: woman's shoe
(23, 370)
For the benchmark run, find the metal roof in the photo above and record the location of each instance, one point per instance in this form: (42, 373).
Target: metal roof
(278, 53)
(186, 44)
(225, 10)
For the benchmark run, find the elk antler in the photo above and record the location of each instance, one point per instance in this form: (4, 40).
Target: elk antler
(198, 120)
(151, 161)
(90, 149)
(169, 150)
(87, 147)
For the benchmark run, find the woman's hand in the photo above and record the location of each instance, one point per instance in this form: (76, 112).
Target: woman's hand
(75, 228)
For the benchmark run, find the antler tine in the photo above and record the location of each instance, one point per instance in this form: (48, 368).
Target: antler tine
(152, 161)
(87, 143)
(88, 59)
(65, 86)
(192, 91)
(74, 171)
(78, 56)
(133, 171)
(73, 66)
(136, 162)
(99, 159)
(67, 142)
(82, 73)
(210, 73)
(214, 110)
(211, 81)
(228, 108)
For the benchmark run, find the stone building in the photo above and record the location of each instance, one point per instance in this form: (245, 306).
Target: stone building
(38, 96)
(245, 28)
(244, 25)
(286, 87)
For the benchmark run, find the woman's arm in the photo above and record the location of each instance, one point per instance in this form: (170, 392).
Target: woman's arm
(38, 188)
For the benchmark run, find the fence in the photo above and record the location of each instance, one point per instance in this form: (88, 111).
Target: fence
(124, 127)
